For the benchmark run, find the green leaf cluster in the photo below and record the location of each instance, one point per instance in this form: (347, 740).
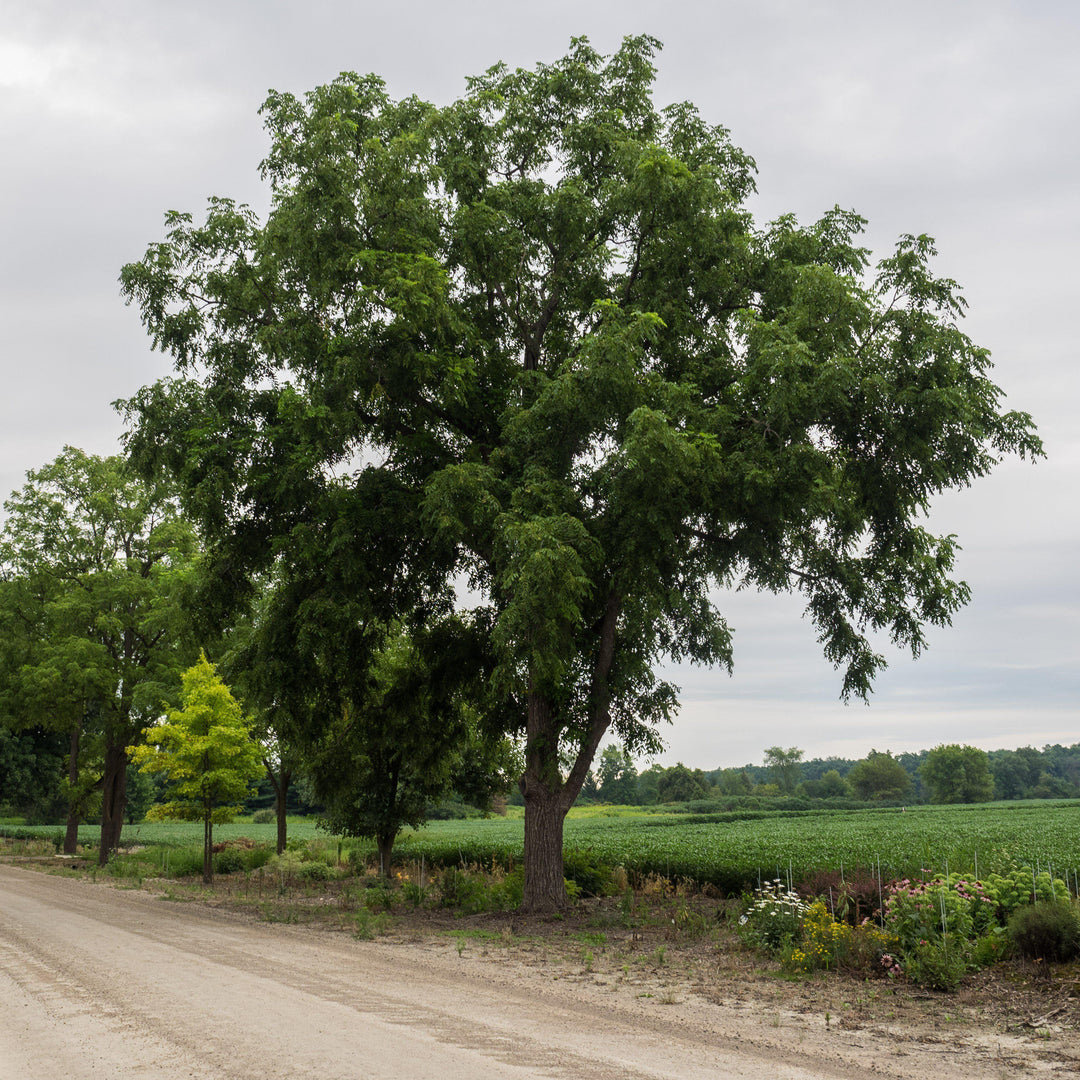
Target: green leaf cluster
(204, 750)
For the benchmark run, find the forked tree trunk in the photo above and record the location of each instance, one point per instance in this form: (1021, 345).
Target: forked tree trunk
(113, 800)
(547, 796)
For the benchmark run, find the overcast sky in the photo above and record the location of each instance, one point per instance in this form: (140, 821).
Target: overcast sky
(957, 119)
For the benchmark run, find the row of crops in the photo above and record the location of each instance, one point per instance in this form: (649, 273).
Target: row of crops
(734, 851)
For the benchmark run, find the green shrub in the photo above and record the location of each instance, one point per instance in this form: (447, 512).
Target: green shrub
(229, 861)
(592, 877)
(940, 964)
(774, 918)
(315, 871)
(920, 912)
(991, 948)
(259, 856)
(185, 861)
(460, 889)
(263, 817)
(1046, 931)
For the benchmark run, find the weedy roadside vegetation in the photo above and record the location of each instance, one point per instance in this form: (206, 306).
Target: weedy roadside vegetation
(841, 916)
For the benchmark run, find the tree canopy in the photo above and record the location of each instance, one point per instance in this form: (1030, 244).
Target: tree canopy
(880, 776)
(206, 754)
(94, 559)
(534, 341)
(957, 774)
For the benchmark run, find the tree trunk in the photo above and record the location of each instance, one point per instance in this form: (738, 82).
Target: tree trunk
(71, 837)
(384, 841)
(545, 887)
(113, 800)
(545, 808)
(280, 782)
(547, 796)
(282, 827)
(208, 849)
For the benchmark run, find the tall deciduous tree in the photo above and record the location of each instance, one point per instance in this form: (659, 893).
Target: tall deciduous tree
(541, 328)
(99, 557)
(785, 767)
(880, 776)
(957, 774)
(410, 731)
(205, 752)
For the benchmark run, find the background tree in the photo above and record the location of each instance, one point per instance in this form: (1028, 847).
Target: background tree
(679, 784)
(31, 766)
(957, 774)
(206, 755)
(616, 777)
(880, 776)
(409, 734)
(784, 767)
(1015, 772)
(98, 557)
(541, 325)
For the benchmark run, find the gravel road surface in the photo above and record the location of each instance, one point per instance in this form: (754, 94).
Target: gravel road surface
(108, 983)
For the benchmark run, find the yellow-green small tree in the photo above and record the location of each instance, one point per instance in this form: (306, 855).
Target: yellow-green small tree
(206, 754)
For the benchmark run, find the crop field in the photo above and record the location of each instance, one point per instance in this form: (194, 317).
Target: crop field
(731, 850)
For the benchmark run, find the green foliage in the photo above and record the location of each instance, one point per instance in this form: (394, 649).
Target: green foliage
(263, 817)
(94, 563)
(31, 767)
(880, 776)
(939, 964)
(1048, 930)
(568, 365)
(774, 918)
(679, 784)
(229, 861)
(921, 912)
(409, 732)
(784, 766)
(204, 751)
(592, 877)
(1021, 885)
(616, 777)
(957, 774)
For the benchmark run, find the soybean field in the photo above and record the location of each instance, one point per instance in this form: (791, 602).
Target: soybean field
(731, 850)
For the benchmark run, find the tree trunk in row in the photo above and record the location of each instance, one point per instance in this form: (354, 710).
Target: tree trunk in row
(71, 836)
(113, 800)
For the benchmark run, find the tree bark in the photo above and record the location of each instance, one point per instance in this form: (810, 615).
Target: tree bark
(547, 796)
(545, 808)
(113, 800)
(545, 886)
(71, 836)
(208, 849)
(280, 782)
(385, 844)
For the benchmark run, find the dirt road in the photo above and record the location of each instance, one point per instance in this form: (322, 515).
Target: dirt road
(101, 982)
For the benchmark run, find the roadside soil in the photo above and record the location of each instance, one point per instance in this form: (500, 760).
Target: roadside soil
(171, 979)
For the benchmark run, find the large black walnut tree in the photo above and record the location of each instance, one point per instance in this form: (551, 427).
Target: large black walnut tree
(539, 330)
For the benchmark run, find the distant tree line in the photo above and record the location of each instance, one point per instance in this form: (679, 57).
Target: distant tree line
(945, 774)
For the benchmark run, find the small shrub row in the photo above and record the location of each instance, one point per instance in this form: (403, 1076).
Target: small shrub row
(931, 932)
